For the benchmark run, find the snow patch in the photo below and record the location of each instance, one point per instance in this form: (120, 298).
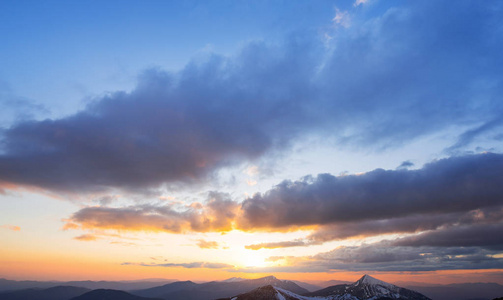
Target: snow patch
(279, 296)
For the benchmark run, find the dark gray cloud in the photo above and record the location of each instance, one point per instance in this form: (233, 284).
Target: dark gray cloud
(388, 78)
(385, 256)
(486, 236)
(405, 164)
(452, 185)
(408, 224)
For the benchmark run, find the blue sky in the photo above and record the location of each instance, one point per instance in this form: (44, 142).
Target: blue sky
(272, 118)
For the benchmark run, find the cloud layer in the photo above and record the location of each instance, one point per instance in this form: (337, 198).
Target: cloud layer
(385, 78)
(454, 202)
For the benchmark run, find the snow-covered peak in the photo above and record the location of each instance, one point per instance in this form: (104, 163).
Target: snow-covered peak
(269, 278)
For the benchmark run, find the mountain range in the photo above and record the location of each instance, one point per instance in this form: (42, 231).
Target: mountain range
(188, 290)
(266, 288)
(366, 288)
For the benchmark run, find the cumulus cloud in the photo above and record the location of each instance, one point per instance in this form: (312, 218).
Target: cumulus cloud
(389, 78)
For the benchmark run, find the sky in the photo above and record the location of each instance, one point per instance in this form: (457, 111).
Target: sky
(202, 140)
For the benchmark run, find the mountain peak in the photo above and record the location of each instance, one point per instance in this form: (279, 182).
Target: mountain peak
(233, 279)
(369, 280)
(368, 287)
(268, 279)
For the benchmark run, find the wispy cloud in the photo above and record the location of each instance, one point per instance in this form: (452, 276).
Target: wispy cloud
(11, 227)
(342, 18)
(192, 265)
(86, 237)
(283, 244)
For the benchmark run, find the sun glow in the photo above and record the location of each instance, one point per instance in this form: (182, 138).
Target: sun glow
(254, 260)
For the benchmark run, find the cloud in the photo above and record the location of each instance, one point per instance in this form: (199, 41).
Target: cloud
(14, 108)
(458, 195)
(86, 237)
(389, 78)
(274, 245)
(469, 136)
(341, 18)
(451, 185)
(409, 224)
(360, 2)
(203, 244)
(11, 227)
(405, 164)
(192, 265)
(384, 256)
(217, 215)
(487, 236)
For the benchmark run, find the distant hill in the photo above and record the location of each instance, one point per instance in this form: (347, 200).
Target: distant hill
(54, 293)
(327, 283)
(308, 286)
(461, 291)
(102, 294)
(215, 289)
(166, 289)
(11, 285)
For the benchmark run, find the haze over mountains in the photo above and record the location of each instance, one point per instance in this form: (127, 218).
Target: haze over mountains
(266, 288)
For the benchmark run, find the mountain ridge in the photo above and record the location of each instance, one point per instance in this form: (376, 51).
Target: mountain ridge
(366, 288)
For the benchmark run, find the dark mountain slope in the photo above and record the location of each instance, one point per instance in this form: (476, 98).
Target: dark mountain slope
(54, 293)
(102, 294)
(166, 289)
(462, 291)
(267, 292)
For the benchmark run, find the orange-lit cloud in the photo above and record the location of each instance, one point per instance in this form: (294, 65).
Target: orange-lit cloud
(11, 227)
(283, 244)
(203, 244)
(86, 237)
(192, 265)
(218, 214)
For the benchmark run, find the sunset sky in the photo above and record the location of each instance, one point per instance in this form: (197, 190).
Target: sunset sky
(202, 140)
